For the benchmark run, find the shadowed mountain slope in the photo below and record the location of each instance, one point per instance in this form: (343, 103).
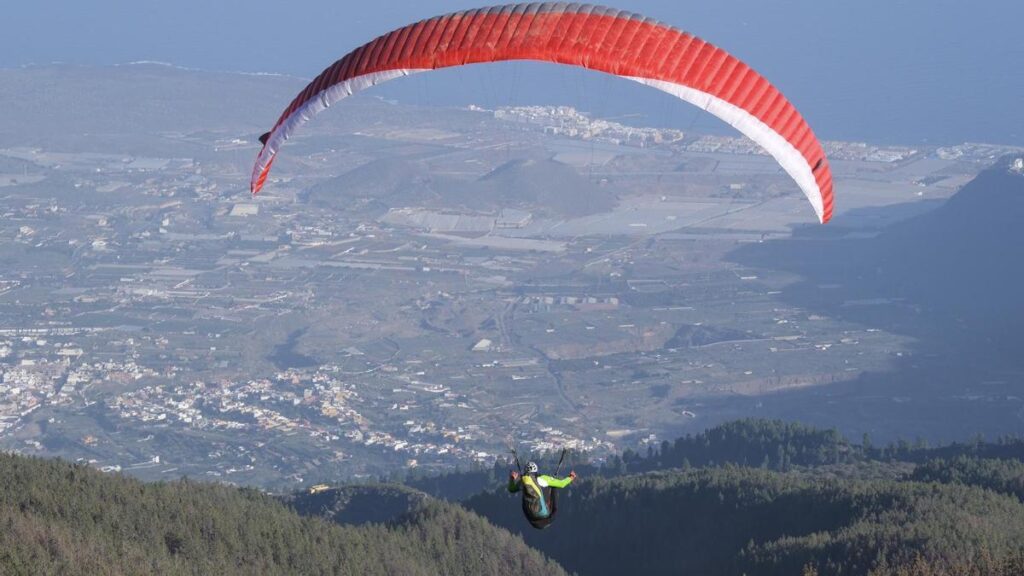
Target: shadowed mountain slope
(60, 518)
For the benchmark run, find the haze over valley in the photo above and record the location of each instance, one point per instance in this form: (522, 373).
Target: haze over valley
(417, 285)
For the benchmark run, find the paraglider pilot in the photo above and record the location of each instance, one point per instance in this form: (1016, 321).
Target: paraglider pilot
(539, 500)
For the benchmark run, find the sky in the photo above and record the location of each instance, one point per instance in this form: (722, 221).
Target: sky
(885, 70)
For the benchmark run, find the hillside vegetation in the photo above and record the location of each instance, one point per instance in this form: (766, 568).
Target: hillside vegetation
(747, 497)
(749, 521)
(59, 518)
(773, 497)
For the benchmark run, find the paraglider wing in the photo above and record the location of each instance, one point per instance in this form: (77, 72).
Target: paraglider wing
(593, 37)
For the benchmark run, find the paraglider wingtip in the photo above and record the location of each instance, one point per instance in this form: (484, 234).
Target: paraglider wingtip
(263, 140)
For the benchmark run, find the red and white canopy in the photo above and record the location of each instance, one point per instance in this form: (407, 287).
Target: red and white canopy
(593, 37)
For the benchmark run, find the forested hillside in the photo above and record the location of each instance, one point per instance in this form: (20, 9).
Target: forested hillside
(358, 504)
(748, 497)
(1005, 476)
(772, 497)
(59, 518)
(748, 521)
(769, 444)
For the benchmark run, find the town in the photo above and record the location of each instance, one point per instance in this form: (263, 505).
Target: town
(419, 295)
